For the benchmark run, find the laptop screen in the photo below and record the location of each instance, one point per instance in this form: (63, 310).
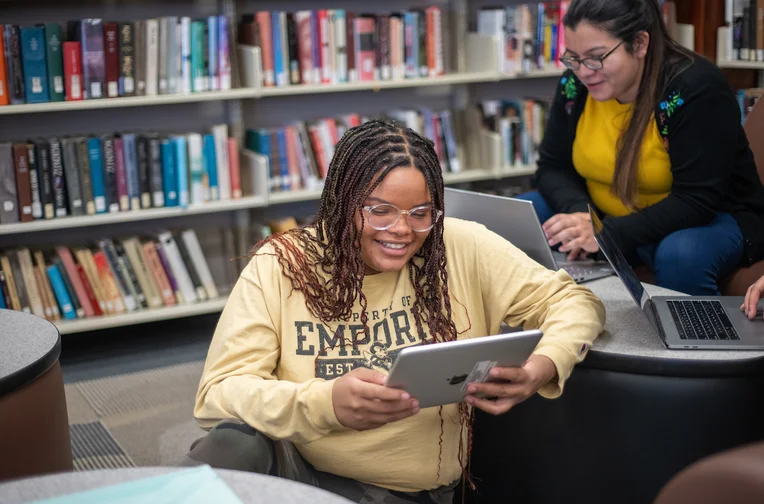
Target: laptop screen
(619, 263)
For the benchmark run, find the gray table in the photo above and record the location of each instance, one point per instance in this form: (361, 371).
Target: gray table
(251, 488)
(632, 415)
(29, 346)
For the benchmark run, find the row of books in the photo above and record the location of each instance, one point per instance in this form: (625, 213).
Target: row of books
(745, 19)
(94, 59)
(329, 46)
(86, 175)
(106, 278)
(520, 125)
(299, 154)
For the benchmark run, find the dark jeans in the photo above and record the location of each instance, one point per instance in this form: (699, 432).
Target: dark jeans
(232, 444)
(690, 260)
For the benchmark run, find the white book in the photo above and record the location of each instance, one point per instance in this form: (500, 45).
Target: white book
(145, 280)
(152, 57)
(340, 40)
(326, 57)
(220, 133)
(185, 55)
(185, 285)
(164, 54)
(171, 28)
(191, 241)
(196, 168)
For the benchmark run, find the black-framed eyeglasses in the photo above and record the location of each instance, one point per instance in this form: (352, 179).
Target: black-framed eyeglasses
(384, 216)
(592, 62)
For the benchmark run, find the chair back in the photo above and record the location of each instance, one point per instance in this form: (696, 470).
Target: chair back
(754, 130)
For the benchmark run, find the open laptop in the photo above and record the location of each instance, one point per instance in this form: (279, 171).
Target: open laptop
(516, 221)
(694, 322)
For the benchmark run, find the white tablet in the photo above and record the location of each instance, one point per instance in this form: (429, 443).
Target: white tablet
(438, 373)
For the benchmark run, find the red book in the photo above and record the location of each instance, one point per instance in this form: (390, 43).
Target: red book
(89, 291)
(266, 47)
(305, 45)
(23, 182)
(121, 170)
(73, 71)
(233, 163)
(3, 76)
(365, 52)
(74, 276)
(111, 55)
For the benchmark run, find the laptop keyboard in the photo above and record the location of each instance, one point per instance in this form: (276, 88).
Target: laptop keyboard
(702, 320)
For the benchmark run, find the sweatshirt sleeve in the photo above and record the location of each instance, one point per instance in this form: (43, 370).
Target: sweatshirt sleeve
(702, 152)
(522, 293)
(556, 177)
(239, 378)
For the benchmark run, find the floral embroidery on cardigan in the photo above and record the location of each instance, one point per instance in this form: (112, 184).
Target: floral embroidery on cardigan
(569, 88)
(668, 107)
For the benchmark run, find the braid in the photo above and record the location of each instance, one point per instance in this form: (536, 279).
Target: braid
(325, 263)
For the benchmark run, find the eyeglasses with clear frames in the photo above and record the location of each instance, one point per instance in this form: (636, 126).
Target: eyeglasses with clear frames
(384, 216)
(592, 63)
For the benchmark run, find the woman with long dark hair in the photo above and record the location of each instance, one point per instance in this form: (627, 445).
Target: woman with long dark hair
(649, 133)
(293, 384)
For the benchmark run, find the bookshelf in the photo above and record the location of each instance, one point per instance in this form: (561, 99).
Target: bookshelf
(245, 105)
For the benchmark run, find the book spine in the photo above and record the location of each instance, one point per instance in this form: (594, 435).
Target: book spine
(220, 132)
(279, 69)
(185, 55)
(205, 55)
(224, 53)
(350, 46)
(9, 212)
(304, 45)
(164, 55)
(73, 71)
(83, 162)
(233, 162)
(78, 310)
(266, 47)
(130, 277)
(18, 280)
(173, 54)
(62, 296)
(131, 168)
(23, 189)
(198, 70)
(210, 166)
(315, 44)
(213, 69)
(139, 60)
(34, 182)
(181, 160)
(110, 173)
(72, 175)
(143, 171)
(121, 171)
(95, 159)
(34, 67)
(16, 77)
(169, 174)
(155, 172)
(92, 300)
(294, 57)
(152, 57)
(4, 76)
(383, 48)
(126, 59)
(60, 196)
(421, 33)
(54, 62)
(340, 46)
(196, 167)
(74, 277)
(93, 67)
(111, 50)
(45, 176)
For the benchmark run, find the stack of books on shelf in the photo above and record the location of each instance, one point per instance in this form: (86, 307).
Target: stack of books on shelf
(52, 178)
(108, 278)
(334, 46)
(505, 133)
(743, 38)
(90, 59)
(747, 99)
(299, 154)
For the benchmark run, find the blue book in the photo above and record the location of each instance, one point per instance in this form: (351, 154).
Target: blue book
(33, 49)
(131, 170)
(211, 166)
(411, 37)
(279, 67)
(59, 289)
(2, 300)
(95, 156)
(169, 173)
(283, 159)
(181, 166)
(212, 50)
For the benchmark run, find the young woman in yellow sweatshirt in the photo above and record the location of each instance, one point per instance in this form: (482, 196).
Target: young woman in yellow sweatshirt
(293, 382)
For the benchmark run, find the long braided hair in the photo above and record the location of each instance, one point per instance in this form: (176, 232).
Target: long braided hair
(324, 262)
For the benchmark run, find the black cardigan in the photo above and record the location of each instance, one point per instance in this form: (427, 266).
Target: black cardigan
(711, 162)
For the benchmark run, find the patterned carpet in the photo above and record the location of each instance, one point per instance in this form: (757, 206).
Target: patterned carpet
(134, 419)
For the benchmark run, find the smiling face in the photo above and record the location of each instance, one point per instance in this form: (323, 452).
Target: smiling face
(391, 249)
(622, 70)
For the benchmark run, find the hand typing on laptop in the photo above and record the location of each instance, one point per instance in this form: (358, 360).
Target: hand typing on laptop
(750, 305)
(573, 232)
(511, 386)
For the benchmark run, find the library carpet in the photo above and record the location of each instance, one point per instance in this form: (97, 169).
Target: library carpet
(141, 418)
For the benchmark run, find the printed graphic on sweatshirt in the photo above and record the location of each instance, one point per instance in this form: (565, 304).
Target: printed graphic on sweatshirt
(344, 346)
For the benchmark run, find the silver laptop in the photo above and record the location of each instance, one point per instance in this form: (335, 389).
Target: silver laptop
(696, 322)
(438, 373)
(516, 221)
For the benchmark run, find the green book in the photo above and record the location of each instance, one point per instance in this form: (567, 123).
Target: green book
(55, 62)
(198, 68)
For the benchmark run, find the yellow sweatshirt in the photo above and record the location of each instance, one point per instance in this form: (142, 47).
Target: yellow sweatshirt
(262, 365)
